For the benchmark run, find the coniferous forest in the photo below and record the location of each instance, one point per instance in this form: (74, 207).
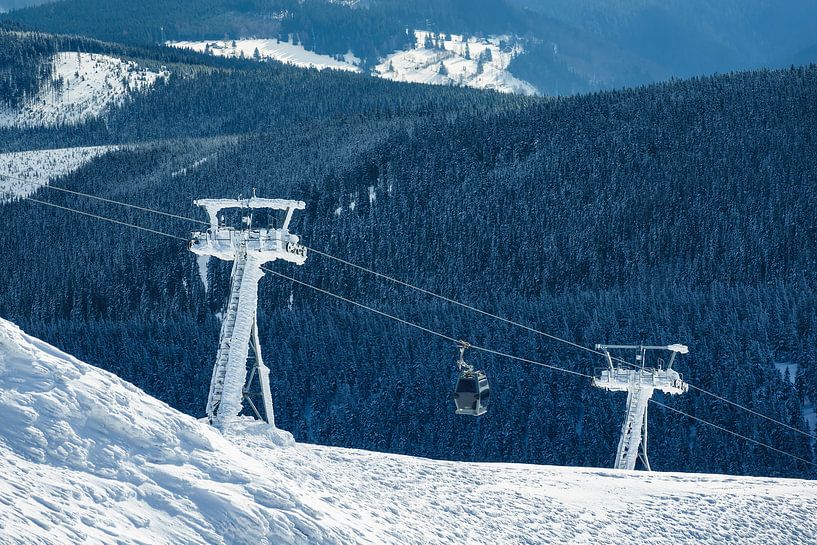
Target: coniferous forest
(570, 46)
(682, 212)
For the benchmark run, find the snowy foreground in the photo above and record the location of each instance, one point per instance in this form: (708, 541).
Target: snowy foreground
(88, 458)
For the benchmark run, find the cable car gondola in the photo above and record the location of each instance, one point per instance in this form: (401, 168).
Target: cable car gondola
(472, 390)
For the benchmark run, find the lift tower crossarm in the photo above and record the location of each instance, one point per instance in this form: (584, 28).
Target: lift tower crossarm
(214, 206)
(680, 348)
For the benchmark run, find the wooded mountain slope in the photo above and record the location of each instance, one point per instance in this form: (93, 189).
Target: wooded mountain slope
(678, 212)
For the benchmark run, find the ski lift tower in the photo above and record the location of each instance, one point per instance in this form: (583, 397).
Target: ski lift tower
(248, 248)
(639, 381)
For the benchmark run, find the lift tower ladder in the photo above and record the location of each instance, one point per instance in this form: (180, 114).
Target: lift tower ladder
(249, 249)
(639, 381)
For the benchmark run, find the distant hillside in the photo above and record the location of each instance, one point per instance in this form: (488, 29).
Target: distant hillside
(806, 56)
(670, 213)
(569, 47)
(693, 35)
(6, 5)
(371, 31)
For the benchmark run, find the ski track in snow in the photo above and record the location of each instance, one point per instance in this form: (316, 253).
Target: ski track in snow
(33, 169)
(83, 85)
(88, 458)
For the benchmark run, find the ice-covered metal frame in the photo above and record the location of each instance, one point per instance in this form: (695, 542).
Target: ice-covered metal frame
(249, 248)
(268, 244)
(639, 381)
(620, 379)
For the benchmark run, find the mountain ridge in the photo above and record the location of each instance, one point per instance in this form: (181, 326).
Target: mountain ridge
(572, 47)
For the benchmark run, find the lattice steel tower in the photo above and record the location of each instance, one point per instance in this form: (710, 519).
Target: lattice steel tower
(248, 248)
(639, 381)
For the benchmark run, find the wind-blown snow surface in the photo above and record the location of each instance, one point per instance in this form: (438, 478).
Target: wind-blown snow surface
(269, 49)
(83, 85)
(441, 59)
(23, 172)
(88, 458)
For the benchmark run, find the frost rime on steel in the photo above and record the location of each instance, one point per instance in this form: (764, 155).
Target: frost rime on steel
(249, 248)
(639, 381)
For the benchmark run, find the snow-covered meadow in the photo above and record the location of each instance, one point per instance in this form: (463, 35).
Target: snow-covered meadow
(88, 458)
(262, 49)
(451, 59)
(82, 85)
(437, 59)
(23, 172)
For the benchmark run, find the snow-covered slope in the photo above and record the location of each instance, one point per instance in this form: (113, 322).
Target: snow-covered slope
(88, 458)
(83, 85)
(28, 170)
(269, 49)
(437, 59)
(452, 59)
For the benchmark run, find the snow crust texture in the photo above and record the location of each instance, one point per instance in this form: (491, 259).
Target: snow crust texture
(83, 85)
(88, 458)
(28, 170)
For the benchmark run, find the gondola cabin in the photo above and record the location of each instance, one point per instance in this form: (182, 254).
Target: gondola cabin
(471, 393)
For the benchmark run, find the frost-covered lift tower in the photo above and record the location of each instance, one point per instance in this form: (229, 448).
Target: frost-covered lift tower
(248, 248)
(639, 381)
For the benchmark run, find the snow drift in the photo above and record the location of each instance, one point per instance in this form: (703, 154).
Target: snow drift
(86, 457)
